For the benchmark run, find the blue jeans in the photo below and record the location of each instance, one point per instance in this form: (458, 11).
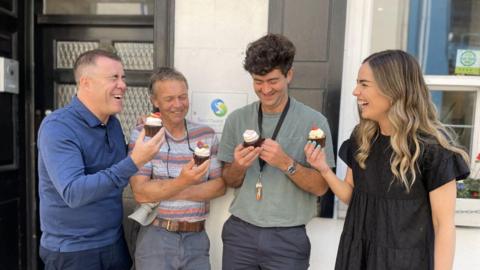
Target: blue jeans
(112, 257)
(159, 249)
(249, 247)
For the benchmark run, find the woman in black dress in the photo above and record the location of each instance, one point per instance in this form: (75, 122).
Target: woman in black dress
(402, 167)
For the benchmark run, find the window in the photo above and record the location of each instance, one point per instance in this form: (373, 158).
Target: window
(99, 7)
(444, 36)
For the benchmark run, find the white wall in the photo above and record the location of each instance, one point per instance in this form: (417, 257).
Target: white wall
(210, 41)
(358, 31)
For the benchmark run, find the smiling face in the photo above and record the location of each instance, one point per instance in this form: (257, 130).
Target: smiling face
(171, 98)
(102, 87)
(271, 89)
(373, 104)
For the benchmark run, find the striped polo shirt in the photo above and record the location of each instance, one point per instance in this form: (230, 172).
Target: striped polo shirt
(169, 162)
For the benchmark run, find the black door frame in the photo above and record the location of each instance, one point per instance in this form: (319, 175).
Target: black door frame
(162, 23)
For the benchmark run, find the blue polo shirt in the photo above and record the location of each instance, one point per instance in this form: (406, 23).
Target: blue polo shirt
(82, 168)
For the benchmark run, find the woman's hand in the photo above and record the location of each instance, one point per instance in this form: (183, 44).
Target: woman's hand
(316, 157)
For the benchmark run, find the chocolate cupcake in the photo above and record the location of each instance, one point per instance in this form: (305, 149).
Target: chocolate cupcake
(318, 136)
(153, 124)
(251, 138)
(201, 153)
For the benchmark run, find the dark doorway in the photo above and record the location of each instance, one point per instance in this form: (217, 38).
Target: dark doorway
(143, 41)
(15, 159)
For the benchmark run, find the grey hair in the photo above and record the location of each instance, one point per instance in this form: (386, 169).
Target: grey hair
(166, 74)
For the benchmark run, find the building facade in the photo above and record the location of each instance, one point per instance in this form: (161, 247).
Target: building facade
(206, 40)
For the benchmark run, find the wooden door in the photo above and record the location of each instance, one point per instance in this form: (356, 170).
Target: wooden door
(317, 28)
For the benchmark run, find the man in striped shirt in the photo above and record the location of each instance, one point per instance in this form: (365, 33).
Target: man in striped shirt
(176, 239)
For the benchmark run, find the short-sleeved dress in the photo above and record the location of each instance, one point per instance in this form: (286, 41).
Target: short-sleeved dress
(386, 227)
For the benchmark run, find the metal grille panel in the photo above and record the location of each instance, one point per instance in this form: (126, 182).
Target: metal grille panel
(64, 94)
(135, 55)
(68, 51)
(135, 104)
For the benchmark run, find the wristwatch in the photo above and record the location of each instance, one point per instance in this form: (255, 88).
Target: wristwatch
(292, 168)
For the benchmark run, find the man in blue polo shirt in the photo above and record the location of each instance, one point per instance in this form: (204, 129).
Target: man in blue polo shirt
(83, 167)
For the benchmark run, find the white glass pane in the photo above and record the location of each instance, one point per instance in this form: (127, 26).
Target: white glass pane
(99, 7)
(456, 110)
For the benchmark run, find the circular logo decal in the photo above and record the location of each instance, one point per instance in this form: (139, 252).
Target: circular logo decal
(218, 107)
(468, 58)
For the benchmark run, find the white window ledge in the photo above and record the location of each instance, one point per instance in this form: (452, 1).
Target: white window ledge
(457, 82)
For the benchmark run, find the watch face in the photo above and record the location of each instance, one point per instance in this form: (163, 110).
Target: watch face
(291, 169)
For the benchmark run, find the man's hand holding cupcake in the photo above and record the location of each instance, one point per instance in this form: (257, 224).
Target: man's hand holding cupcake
(192, 174)
(247, 152)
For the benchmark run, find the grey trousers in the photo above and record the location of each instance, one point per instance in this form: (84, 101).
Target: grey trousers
(249, 247)
(158, 249)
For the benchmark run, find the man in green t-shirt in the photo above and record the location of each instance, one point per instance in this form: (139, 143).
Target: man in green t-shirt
(275, 189)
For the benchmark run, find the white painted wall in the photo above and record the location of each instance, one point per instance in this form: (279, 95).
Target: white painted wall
(210, 41)
(358, 32)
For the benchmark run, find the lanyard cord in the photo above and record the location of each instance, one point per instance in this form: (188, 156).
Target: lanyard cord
(261, 162)
(168, 145)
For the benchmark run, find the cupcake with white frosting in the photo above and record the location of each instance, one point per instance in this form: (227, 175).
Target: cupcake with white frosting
(153, 124)
(317, 135)
(201, 153)
(251, 138)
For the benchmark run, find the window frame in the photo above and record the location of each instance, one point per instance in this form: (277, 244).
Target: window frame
(461, 83)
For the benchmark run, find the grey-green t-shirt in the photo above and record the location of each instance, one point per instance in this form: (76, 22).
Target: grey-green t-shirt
(283, 204)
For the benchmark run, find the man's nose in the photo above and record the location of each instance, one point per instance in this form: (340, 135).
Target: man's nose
(266, 88)
(122, 84)
(177, 103)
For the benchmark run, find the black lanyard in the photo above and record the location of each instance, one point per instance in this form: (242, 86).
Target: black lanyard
(261, 162)
(168, 145)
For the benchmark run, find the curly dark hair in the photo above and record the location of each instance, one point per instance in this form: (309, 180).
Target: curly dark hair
(268, 53)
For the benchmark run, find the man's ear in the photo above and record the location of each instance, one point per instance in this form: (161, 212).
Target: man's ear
(289, 75)
(154, 101)
(84, 82)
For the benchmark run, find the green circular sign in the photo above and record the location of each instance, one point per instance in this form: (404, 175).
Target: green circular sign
(468, 58)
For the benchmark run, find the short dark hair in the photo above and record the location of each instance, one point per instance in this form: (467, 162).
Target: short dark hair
(89, 58)
(166, 74)
(268, 53)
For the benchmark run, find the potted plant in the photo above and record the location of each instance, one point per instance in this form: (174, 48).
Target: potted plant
(468, 198)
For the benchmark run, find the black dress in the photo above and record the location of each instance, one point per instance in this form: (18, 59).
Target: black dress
(386, 227)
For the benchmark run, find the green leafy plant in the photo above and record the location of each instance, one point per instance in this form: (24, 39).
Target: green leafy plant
(470, 187)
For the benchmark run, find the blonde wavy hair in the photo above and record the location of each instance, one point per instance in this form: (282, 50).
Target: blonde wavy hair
(412, 115)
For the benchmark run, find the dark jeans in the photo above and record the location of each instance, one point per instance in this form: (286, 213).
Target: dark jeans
(112, 257)
(246, 246)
